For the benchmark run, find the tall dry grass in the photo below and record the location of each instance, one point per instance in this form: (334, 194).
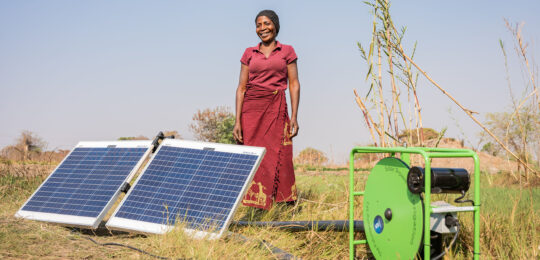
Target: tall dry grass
(385, 116)
(509, 228)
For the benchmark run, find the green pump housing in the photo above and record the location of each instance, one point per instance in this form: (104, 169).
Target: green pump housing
(397, 219)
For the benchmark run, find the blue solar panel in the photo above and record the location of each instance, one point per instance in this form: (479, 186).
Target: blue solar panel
(199, 187)
(84, 184)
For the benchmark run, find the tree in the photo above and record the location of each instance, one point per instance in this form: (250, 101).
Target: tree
(490, 148)
(519, 131)
(311, 156)
(412, 134)
(214, 125)
(27, 146)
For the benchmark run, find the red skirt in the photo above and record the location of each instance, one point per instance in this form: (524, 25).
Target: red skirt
(266, 123)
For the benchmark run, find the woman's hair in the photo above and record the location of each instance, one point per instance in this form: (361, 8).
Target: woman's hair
(272, 16)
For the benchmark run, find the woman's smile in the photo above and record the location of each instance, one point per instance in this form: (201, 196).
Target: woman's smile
(265, 29)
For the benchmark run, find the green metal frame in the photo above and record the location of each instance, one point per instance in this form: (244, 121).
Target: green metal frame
(427, 154)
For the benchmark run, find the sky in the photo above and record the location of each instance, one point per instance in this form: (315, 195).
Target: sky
(75, 71)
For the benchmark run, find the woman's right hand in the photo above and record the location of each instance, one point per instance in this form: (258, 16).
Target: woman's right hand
(237, 133)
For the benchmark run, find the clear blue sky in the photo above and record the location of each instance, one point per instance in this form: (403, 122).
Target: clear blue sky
(97, 70)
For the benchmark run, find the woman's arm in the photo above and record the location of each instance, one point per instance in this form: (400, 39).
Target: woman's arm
(294, 88)
(240, 91)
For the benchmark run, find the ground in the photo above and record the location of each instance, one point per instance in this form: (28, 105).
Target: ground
(509, 229)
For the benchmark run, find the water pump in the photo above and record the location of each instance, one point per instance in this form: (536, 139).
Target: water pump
(399, 219)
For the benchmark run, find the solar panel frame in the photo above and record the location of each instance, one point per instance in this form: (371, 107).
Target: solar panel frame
(82, 221)
(125, 224)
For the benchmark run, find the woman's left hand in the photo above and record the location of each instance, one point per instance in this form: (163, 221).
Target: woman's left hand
(294, 128)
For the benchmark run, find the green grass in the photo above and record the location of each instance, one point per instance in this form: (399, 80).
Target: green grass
(509, 223)
(509, 226)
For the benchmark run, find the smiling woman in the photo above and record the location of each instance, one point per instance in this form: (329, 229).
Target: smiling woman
(262, 118)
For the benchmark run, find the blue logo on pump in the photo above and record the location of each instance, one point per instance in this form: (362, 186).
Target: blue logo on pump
(378, 224)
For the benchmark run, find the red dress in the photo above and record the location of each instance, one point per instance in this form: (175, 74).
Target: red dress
(265, 123)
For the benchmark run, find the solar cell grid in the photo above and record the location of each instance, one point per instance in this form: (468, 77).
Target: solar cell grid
(196, 186)
(84, 183)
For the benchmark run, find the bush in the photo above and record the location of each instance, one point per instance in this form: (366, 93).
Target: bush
(429, 134)
(28, 146)
(214, 125)
(173, 133)
(311, 156)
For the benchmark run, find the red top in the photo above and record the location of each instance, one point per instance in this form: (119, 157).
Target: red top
(268, 72)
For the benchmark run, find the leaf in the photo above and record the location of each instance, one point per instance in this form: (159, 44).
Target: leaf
(370, 53)
(391, 136)
(368, 3)
(370, 88)
(362, 51)
(414, 49)
(441, 135)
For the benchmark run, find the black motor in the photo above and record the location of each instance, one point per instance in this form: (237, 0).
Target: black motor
(443, 180)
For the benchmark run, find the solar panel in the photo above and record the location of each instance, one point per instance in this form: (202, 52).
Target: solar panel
(86, 183)
(198, 184)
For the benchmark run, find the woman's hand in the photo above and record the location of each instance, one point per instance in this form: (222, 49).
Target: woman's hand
(237, 133)
(240, 92)
(294, 88)
(294, 127)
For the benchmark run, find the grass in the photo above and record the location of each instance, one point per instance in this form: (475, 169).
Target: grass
(509, 226)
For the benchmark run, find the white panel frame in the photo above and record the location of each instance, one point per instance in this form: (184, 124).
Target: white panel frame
(130, 225)
(79, 221)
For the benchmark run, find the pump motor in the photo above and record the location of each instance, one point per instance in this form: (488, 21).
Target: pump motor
(443, 180)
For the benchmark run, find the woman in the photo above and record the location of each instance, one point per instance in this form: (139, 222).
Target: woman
(261, 112)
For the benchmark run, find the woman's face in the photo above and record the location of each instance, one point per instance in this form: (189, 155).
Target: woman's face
(265, 29)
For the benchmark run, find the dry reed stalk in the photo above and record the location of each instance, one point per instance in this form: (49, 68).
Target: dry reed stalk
(381, 96)
(388, 124)
(389, 55)
(512, 98)
(412, 85)
(396, 104)
(389, 39)
(521, 48)
(523, 51)
(367, 117)
(470, 113)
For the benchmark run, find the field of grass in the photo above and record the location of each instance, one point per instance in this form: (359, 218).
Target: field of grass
(509, 225)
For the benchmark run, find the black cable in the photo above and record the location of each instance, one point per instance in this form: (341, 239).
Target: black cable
(277, 252)
(459, 200)
(126, 246)
(295, 226)
(451, 243)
